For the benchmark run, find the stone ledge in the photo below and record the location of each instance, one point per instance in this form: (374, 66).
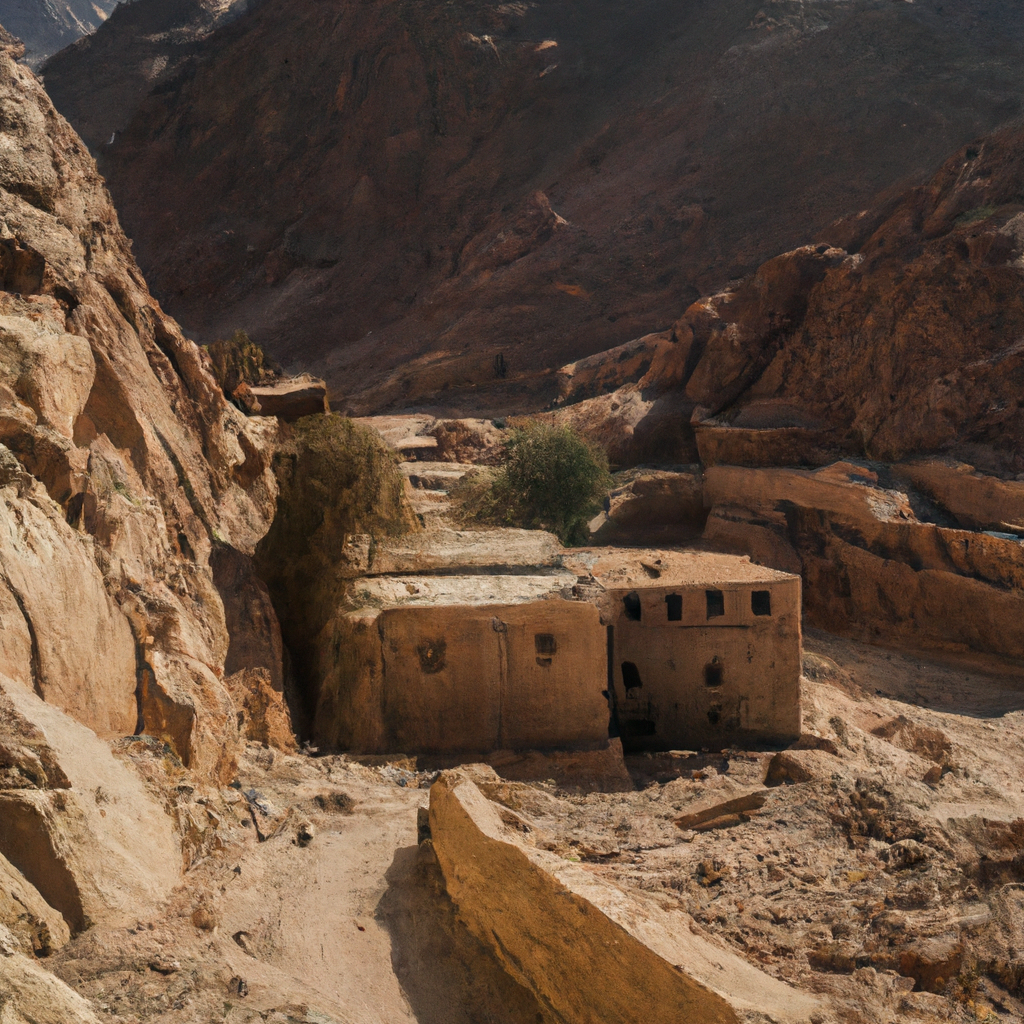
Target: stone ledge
(588, 950)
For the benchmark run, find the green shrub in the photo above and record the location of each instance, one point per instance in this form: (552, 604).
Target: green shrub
(550, 478)
(239, 360)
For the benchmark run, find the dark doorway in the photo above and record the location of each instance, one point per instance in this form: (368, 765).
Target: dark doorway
(631, 676)
(713, 672)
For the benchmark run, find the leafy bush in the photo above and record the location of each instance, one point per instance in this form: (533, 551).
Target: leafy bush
(550, 478)
(239, 360)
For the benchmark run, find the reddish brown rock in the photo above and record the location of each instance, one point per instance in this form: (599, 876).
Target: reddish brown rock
(870, 566)
(909, 346)
(439, 206)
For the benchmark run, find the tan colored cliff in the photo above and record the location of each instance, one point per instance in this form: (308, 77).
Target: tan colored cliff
(126, 479)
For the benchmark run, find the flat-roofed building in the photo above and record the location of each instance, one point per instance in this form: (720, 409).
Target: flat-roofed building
(703, 649)
(462, 643)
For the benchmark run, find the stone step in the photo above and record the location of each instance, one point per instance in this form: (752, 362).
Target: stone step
(434, 476)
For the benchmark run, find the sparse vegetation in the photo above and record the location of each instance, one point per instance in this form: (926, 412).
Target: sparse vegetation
(549, 478)
(336, 478)
(239, 360)
(979, 213)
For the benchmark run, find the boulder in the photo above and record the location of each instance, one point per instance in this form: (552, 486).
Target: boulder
(292, 398)
(183, 703)
(84, 831)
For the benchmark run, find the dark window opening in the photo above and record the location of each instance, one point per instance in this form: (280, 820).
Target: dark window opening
(715, 715)
(761, 602)
(716, 603)
(713, 672)
(638, 727)
(432, 655)
(631, 605)
(675, 607)
(545, 643)
(631, 676)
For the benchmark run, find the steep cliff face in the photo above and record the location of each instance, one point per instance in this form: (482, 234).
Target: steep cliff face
(122, 468)
(46, 26)
(439, 205)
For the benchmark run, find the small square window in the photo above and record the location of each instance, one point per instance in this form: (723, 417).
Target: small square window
(545, 643)
(675, 607)
(761, 602)
(716, 603)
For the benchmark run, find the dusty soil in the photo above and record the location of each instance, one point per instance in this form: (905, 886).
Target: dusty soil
(883, 871)
(307, 902)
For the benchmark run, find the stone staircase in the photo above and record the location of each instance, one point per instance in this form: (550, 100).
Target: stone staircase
(427, 487)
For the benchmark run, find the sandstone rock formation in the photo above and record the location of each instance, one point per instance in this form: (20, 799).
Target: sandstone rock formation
(627, 959)
(122, 463)
(906, 347)
(47, 27)
(870, 565)
(130, 490)
(291, 399)
(84, 832)
(440, 206)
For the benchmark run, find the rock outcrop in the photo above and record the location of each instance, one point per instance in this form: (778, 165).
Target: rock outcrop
(122, 464)
(870, 566)
(78, 824)
(906, 344)
(628, 958)
(130, 491)
(439, 206)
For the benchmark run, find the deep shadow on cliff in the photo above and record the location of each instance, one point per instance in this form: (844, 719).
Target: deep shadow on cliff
(438, 205)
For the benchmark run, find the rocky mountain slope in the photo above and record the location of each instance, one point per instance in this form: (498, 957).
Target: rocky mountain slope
(46, 26)
(904, 342)
(441, 205)
(146, 44)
